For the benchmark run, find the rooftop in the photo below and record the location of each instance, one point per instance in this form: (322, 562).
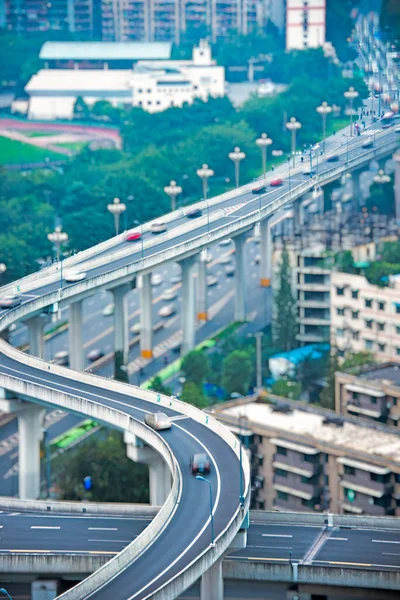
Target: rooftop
(105, 51)
(309, 424)
(389, 372)
(57, 80)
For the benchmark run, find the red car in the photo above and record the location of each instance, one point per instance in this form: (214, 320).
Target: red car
(275, 182)
(134, 236)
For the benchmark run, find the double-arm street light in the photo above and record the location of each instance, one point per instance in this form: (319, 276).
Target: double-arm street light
(236, 157)
(201, 478)
(351, 95)
(116, 209)
(173, 190)
(263, 142)
(293, 125)
(57, 238)
(205, 173)
(324, 109)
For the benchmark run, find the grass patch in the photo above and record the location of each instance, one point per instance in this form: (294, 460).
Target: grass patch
(13, 152)
(34, 134)
(74, 146)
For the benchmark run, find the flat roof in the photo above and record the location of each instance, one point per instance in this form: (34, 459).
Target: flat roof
(388, 372)
(357, 438)
(91, 80)
(105, 50)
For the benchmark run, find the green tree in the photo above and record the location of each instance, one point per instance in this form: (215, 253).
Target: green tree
(357, 360)
(391, 252)
(286, 388)
(196, 367)
(381, 198)
(344, 261)
(327, 395)
(156, 385)
(115, 478)
(237, 370)
(192, 394)
(81, 109)
(285, 326)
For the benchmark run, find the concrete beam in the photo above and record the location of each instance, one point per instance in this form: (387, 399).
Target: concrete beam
(36, 340)
(146, 317)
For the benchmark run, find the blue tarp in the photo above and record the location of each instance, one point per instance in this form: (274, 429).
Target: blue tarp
(299, 355)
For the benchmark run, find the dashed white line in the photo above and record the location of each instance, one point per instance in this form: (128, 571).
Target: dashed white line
(44, 527)
(276, 535)
(114, 541)
(385, 542)
(103, 528)
(338, 539)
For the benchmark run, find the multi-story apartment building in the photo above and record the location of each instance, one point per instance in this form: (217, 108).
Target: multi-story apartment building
(373, 393)
(365, 316)
(305, 458)
(305, 24)
(25, 16)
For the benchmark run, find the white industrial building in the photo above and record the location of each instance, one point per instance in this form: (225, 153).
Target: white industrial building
(153, 85)
(305, 24)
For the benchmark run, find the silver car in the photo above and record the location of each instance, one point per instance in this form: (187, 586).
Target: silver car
(157, 421)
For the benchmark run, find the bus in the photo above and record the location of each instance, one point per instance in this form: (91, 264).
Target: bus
(387, 120)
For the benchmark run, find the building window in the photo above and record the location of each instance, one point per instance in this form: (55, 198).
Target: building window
(354, 314)
(381, 305)
(340, 291)
(398, 309)
(398, 329)
(373, 400)
(340, 312)
(349, 470)
(355, 395)
(350, 495)
(340, 353)
(339, 332)
(356, 335)
(381, 326)
(381, 347)
(398, 351)
(158, 102)
(309, 503)
(368, 323)
(140, 91)
(281, 450)
(354, 294)
(282, 495)
(368, 303)
(281, 473)
(369, 344)
(380, 478)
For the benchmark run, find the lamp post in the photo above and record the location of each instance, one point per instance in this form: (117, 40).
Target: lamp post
(293, 125)
(3, 268)
(381, 177)
(324, 109)
(205, 173)
(173, 190)
(263, 142)
(4, 591)
(57, 238)
(351, 95)
(116, 209)
(236, 157)
(201, 478)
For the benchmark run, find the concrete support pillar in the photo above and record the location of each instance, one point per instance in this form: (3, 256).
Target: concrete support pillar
(30, 429)
(212, 583)
(75, 338)
(121, 345)
(357, 196)
(240, 278)
(202, 290)
(36, 340)
(188, 306)
(266, 253)
(396, 158)
(159, 473)
(146, 317)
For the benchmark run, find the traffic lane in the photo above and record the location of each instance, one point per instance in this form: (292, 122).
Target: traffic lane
(189, 532)
(67, 533)
(357, 547)
(278, 542)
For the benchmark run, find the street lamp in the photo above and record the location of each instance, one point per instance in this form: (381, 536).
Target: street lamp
(200, 478)
(293, 125)
(3, 268)
(236, 157)
(57, 238)
(351, 95)
(173, 190)
(324, 109)
(4, 591)
(205, 173)
(263, 142)
(116, 208)
(381, 177)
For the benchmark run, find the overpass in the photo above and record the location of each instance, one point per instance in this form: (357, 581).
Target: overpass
(150, 565)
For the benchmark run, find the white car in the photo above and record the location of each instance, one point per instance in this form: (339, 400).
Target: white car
(225, 259)
(212, 280)
(229, 270)
(61, 358)
(226, 242)
(135, 329)
(176, 279)
(74, 276)
(169, 295)
(156, 279)
(157, 421)
(167, 311)
(158, 227)
(108, 310)
(257, 259)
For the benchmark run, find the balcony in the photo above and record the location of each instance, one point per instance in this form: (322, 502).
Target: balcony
(296, 464)
(323, 303)
(366, 486)
(295, 486)
(315, 321)
(314, 287)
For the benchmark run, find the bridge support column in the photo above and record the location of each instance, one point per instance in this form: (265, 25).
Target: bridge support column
(212, 583)
(159, 473)
(396, 158)
(75, 339)
(36, 340)
(266, 253)
(121, 347)
(188, 305)
(240, 278)
(357, 196)
(146, 317)
(30, 429)
(202, 290)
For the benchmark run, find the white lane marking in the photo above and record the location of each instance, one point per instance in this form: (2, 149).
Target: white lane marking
(389, 554)
(103, 528)
(276, 535)
(15, 514)
(44, 527)
(337, 539)
(82, 517)
(269, 547)
(115, 541)
(385, 542)
(179, 418)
